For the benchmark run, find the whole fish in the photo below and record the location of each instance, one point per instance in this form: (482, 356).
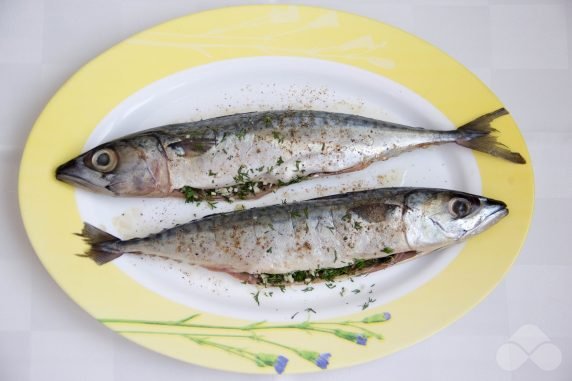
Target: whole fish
(316, 239)
(247, 155)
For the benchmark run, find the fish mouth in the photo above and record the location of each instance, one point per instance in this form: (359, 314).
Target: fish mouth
(70, 173)
(498, 208)
(497, 215)
(497, 211)
(74, 180)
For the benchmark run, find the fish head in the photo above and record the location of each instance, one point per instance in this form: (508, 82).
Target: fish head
(437, 218)
(125, 167)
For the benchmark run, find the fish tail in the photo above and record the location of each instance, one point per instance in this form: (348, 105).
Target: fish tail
(476, 135)
(101, 243)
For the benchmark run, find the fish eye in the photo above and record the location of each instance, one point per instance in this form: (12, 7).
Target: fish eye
(104, 160)
(459, 207)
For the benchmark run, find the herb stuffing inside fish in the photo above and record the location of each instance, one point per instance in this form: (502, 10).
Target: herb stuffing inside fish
(244, 156)
(317, 239)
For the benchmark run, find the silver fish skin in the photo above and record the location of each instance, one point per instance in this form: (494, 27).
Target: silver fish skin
(262, 150)
(324, 233)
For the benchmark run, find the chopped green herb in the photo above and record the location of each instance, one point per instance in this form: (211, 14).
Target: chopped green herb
(269, 250)
(295, 180)
(343, 291)
(268, 120)
(293, 316)
(297, 166)
(260, 169)
(276, 135)
(387, 250)
(256, 296)
(309, 288)
(335, 255)
(211, 173)
(366, 304)
(356, 291)
(241, 175)
(295, 213)
(240, 134)
(299, 276)
(330, 285)
(310, 310)
(323, 146)
(282, 288)
(327, 274)
(190, 193)
(224, 135)
(279, 161)
(359, 264)
(357, 225)
(347, 217)
(212, 204)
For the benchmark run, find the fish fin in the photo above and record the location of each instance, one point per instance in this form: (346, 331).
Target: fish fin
(103, 254)
(476, 135)
(94, 236)
(100, 251)
(192, 146)
(355, 168)
(395, 259)
(245, 278)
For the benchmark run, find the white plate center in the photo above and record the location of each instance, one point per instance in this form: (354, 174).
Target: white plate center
(270, 83)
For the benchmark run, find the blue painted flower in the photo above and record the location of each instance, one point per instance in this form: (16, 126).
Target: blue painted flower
(280, 364)
(355, 337)
(267, 359)
(377, 318)
(323, 360)
(320, 359)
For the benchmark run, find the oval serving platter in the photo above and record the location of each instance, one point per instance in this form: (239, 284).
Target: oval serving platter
(257, 58)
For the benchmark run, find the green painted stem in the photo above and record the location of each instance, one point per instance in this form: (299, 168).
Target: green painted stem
(302, 326)
(196, 338)
(185, 334)
(178, 324)
(190, 336)
(350, 323)
(250, 327)
(234, 350)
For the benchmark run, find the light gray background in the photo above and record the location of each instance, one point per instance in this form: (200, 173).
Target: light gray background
(520, 48)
